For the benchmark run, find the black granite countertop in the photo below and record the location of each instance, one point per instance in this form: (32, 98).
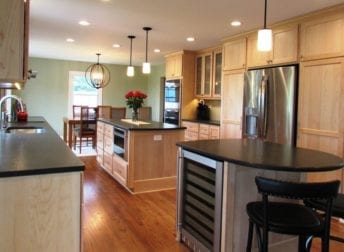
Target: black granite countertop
(265, 155)
(34, 154)
(144, 125)
(211, 122)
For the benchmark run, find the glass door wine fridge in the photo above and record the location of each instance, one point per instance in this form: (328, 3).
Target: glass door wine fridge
(199, 201)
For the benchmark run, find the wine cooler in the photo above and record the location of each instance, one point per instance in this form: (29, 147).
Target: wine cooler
(199, 201)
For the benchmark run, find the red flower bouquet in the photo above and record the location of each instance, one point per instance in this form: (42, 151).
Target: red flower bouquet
(135, 101)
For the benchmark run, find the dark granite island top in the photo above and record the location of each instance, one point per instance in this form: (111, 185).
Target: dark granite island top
(265, 155)
(127, 124)
(35, 153)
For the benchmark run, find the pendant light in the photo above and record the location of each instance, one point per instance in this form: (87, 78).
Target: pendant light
(130, 68)
(264, 43)
(97, 75)
(146, 69)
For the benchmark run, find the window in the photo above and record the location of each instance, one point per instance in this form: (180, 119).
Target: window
(80, 93)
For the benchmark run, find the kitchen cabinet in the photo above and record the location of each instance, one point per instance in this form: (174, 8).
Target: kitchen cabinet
(322, 37)
(321, 110)
(181, 65)
(232, 104)
(284, 47)
(217, 74)
(234, 54)
(14, 24)
(198, 131)
(100, 143)
(204, 75)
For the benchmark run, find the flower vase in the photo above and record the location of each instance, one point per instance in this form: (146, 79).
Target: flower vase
(135, 115)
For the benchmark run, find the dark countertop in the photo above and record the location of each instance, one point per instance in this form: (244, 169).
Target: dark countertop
(32, 154)
(264, 155)
(211, 122)
(152, 125)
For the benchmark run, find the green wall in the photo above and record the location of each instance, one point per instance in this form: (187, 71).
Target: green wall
(47, 94)
(155, 91)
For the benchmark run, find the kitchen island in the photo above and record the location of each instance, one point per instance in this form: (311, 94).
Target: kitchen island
(41, 189)
(141, 155)
(216, 181)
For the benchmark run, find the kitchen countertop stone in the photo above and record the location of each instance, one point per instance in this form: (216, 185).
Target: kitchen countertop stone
(152, 125)
(265, 155)
(33, 154)
(211, 122)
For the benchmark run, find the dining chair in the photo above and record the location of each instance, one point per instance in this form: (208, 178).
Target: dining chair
(145, 113)
(337, 209)
(84, 131)
(76, 111)
(118, 113)
(291, 218)
(104, 111)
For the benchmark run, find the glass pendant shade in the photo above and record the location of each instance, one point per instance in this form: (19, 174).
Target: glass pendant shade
(146, 68)
(130, 71)
(264, 43)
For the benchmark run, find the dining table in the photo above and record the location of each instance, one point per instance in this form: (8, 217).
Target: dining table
(69, 124)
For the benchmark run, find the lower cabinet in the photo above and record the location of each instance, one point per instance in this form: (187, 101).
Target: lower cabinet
(119, 169)
(198, 131)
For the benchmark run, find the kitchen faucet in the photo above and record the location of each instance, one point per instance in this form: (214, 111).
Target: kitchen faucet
(4, 117)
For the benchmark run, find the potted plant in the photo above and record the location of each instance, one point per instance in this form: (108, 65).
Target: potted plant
(135, 101)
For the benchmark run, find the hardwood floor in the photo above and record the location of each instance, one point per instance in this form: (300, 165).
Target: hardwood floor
(115, 220)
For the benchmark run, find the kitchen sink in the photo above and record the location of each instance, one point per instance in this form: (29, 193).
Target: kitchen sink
(25, 130)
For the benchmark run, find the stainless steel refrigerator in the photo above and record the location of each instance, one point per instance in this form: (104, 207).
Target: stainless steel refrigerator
(269, 109)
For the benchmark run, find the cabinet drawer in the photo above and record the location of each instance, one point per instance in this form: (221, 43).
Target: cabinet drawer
(190, 135)
(100, 140)
(214, 132)
(107, 162)
(100, 127)
(120, 169)
(203, 136)
(204, 129)
(108, 130)
(100, 157)
(191, 126)
(108, 146)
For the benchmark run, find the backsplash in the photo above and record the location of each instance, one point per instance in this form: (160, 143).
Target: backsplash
(215, 109)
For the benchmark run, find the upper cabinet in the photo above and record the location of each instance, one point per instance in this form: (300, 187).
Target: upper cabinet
(174, 66)
(285, 47)
(322, 37)
(234, 54)
(208, 74)
(14, 23)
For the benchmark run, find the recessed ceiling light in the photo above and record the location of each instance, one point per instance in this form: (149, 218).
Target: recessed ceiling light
(70, 40)
(84, 23)
(157, 50)
(116, 45)
(190, 39)
(235, 23)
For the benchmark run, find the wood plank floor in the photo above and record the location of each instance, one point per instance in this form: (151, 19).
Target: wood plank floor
(115, 220)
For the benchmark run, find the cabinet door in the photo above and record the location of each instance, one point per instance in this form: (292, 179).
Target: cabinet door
(214, 132)
(191, 132)
(322, 38)
(232, 104)
(254, 57)
(199, 75)
(217, 74)
(285, 44)
(174, 66)
(321, 109)
(14, 40)
(234, 54)
(203, 75)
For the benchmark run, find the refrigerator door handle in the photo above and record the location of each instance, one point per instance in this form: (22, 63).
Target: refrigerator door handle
(263, 110)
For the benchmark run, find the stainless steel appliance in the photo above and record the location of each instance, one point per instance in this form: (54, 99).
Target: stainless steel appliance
(269, 109)
(171, 111)
(119, 142)
(199, 201)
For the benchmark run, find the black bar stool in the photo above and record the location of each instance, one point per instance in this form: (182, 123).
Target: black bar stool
(337, 209)
(289, 217)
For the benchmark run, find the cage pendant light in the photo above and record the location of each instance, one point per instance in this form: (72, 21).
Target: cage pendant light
(264, 43)
(97, 75)
(146, 68)
(130, 68)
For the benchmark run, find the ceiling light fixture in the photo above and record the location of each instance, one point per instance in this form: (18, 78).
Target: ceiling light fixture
(156, 50)
(84, 23)
(190, 39)
(70, 40)
(146, 68)
(116, 45)
(130, 68)
(264, 43)
(235, 23)
(97, 75)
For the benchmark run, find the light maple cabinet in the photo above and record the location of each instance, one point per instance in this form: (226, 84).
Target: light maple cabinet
(321, 110)
(183, 63)
(204, 75)
(199, 131)
(191, 132)
(284, 47)
(217, 74)
(232, 104)
(322, 37)
(174, 66)
(14, 40)
(234, 54)
(100, 142)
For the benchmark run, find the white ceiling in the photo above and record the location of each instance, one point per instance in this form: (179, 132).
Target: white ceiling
(52, 21)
